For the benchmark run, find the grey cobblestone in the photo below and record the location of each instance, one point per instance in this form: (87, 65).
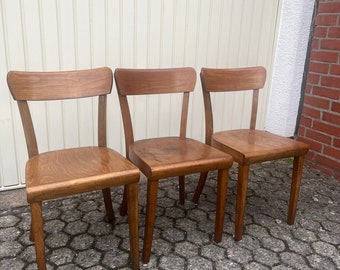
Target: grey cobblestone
(77, 235)
(12, 264)
(256, 266)
(62, 256)
(319, 262)
(82, 242)
(172, 262)
(56, 240)
(199, 263)
(294, 260)
(28, 254)
(8, 221)
(88, 258)
(186, 249)
(10, 249)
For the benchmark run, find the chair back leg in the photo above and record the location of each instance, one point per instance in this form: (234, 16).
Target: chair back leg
(199, 188)
(123, 206)
(181, 185)
(108, 205)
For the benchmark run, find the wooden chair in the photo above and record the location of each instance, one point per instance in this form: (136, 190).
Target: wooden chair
(248, 146)
(166, 157)
(66, 172)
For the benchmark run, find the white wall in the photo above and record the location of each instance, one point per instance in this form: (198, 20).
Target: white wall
(289, 64)
(51, 35)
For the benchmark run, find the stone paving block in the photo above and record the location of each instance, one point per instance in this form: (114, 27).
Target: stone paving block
(8, 221)
(294, 260)
(76, 227)
(265, 257)
(319, 262)
(10, 249)
(186, 249)
(199, 263)
(240, 255)
(82, 242)
(172, 262)
(88, 258)
(62, 256)
(213, 252)
(256, 266)
(115, 259)
(12, 264)
(28, 254)
(227, 264)
(273, 244)
(56, 240)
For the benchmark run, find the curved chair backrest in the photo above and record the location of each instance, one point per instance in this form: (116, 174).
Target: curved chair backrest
(39, 86)
(153, 81)
(228, 80)
(59, 85)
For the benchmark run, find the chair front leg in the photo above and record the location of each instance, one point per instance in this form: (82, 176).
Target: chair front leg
(221, 196)
(295, 188)
(38, 234)
(151, 204)
(241, 196)
(132, 190)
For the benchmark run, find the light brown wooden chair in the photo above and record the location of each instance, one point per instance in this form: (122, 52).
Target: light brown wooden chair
(164, 157)
(248, 146)
(71, 171)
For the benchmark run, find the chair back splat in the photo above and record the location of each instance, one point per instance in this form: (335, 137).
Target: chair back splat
(65, 172)
(165, 157)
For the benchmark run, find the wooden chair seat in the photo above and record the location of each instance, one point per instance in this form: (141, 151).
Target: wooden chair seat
(172, 156)
(254, 146)
(71, 171)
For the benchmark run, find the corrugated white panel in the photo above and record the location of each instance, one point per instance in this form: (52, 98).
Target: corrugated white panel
(11, 136)
(8, 164)
(52, 35)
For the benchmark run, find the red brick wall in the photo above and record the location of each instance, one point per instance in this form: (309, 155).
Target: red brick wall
(320, 121)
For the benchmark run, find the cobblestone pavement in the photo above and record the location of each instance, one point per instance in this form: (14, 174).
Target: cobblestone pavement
(77, 236)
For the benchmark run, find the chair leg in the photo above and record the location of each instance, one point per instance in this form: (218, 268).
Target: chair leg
(31, 232)
(108, 205)
(295, 188)
(221, 196)
(242, 186)
(133, 223)
(38, 234)
(151, 204)
(181, 184)
(123, 206)
(199, 188)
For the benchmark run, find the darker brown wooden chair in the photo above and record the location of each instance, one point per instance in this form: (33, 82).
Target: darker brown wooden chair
(248, 146)
(166, 157)
(66, 172)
